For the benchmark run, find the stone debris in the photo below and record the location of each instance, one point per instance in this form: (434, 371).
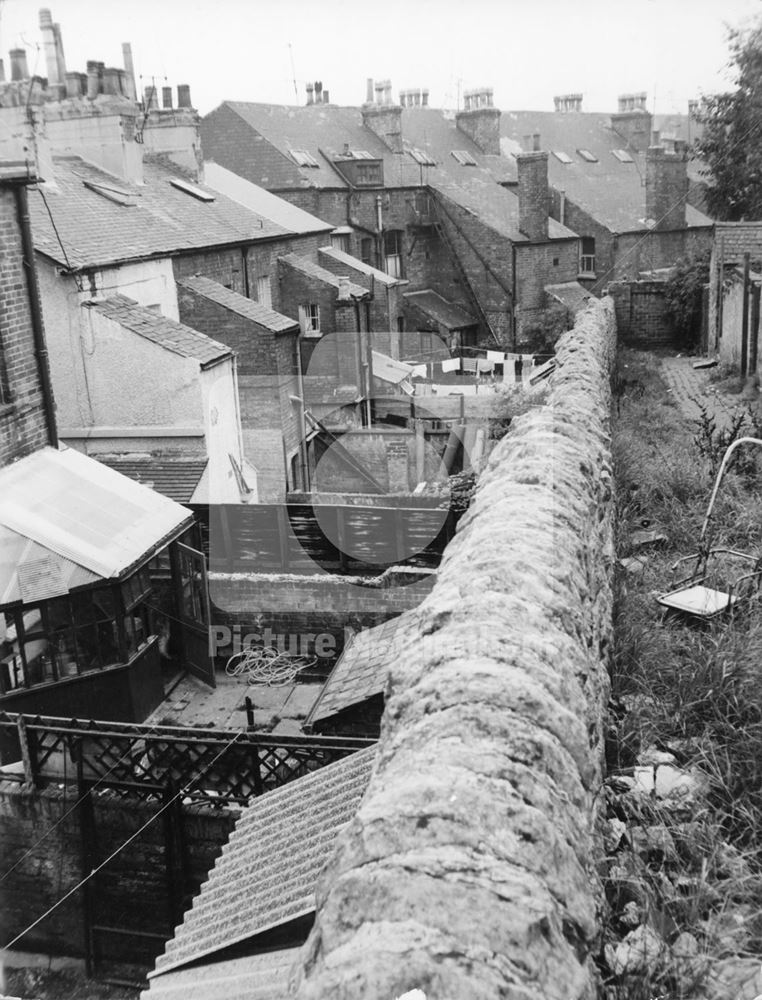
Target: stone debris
(733, 979)
(641, 952)
(647, 539)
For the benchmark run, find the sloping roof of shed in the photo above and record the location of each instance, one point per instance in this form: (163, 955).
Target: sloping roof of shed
(448, 314)
(362, 669)
(161, 330)
(239, 304)
(571, 294)
(175, 477)
(321, 274)
(355, 264)
(81, 511)
(266, 874)
(253, 977)
(738, 238)
(96, 231)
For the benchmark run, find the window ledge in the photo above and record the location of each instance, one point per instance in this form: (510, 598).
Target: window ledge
(587, 276)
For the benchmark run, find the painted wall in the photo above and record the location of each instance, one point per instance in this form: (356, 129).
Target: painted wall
(219, 390)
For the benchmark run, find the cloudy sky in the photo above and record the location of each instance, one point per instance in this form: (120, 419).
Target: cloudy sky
(527, 50)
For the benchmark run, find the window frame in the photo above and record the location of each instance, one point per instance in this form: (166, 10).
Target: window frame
(393, 256)
(587, 259)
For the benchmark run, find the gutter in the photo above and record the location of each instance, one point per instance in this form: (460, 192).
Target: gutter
(38, 329)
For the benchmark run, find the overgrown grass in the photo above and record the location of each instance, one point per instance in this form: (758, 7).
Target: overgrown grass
(692, 691)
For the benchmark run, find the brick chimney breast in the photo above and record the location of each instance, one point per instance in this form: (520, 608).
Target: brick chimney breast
(534, 195)
(383, 118)
(666, 186)
(633, 122)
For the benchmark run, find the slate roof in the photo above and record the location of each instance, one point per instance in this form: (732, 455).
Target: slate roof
(320, 274)
(239, 304)
(173, 476)
(321, 129)
(362, 670)
(448, 314)
(161, 330)
(262, 202)
(266, 874)
(611, 191)
(738, 238)
(355, 264)
(494, 206)
(96, 231)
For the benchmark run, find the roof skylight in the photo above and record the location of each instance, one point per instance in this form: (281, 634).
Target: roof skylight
(587, 155)
(422, 157)
(561, 156)
(191, 189)
(622, 155)
(464, 158)
(303, 159)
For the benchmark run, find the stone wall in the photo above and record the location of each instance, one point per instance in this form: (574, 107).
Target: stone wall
(470, 869)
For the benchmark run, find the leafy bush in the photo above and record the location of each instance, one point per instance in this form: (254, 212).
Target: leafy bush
(683, 292)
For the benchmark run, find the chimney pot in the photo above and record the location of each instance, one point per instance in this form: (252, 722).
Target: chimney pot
(344, 293)
(369, 90)
(183, 96)
(74, 84)
(111, 81)
(655, 137)
(45, 18)
(425, 97)
(2, 71)
(166, 97)
(326, 97)
(318, 92)
(92, 80)
(19, 70)
(310, 97)
(535, 142)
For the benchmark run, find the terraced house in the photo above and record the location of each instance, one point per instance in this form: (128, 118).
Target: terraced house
(416, 193)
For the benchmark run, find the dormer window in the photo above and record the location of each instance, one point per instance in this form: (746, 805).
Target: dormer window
(464, 158)
(587, 156)
(422, 157)
(303, 159)
(622, 155)
(561, 156)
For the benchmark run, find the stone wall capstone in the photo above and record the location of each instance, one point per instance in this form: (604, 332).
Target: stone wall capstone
(470, 870)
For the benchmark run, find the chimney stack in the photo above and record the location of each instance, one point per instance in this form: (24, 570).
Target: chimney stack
(633, 121)
(480, 120)
(384, 118)
(568, 103)
(56, 82)
(183, 96)
(534, 195)
(93, 82)
(76, 84)
(19, 70)
(129, 69)
(666, 186)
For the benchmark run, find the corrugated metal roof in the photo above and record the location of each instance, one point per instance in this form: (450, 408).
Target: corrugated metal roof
(237, 303)
(258, 200)
(254, 977)
(320, 274)
(18, 552)
(267, 872)
(175, 477)
(96, 230)
(362, 670)
(83, 511)
(161, 330)
(449, 314)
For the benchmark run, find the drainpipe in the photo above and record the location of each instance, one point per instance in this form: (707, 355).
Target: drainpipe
(380, 228)
(38, 330)
(303, 460)
(745, 316)
(514, 296)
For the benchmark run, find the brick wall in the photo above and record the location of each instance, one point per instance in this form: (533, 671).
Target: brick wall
(55, 866)
(641, 313)
(538, 265)
(23, 426)
(636, 252)
(583, 224)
